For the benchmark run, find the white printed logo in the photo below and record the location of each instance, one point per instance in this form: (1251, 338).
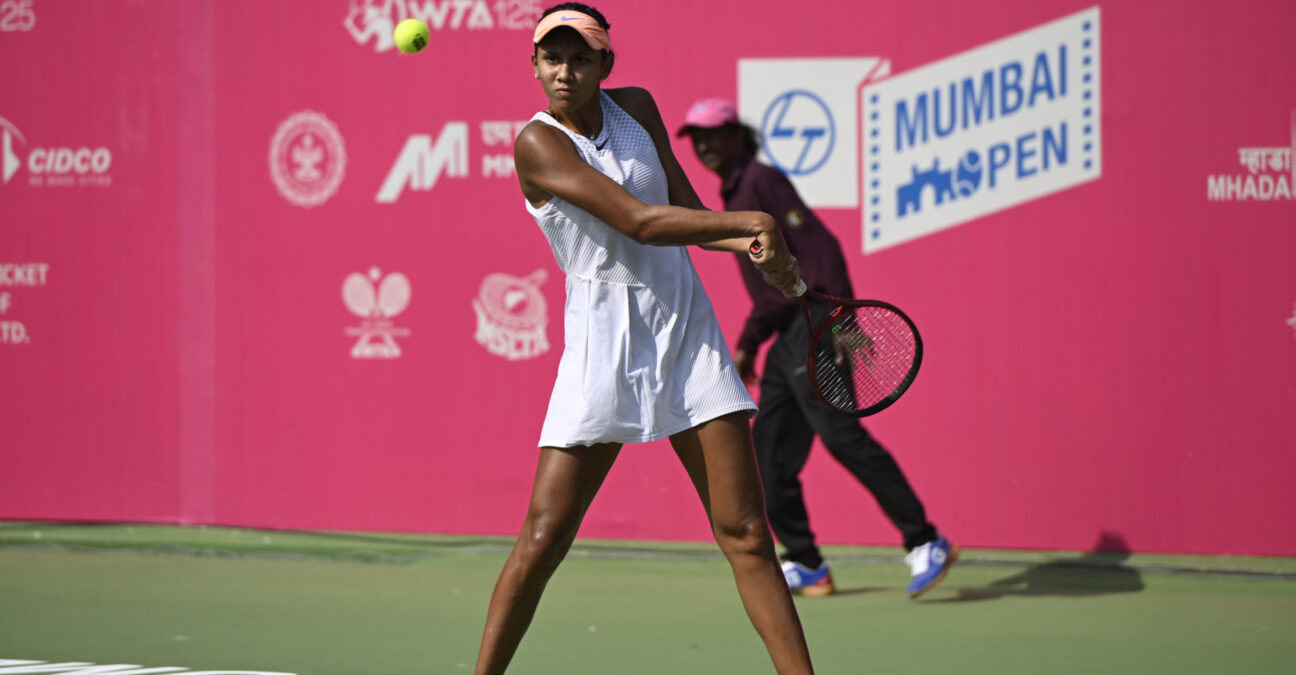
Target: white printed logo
(1270, 176)
(496, 133)
(376, 303)
(804, 111)
(53, 166)
(17, 15)
(512, 315)
(422, 161)
(982, 131)
(11, 332)
(307, 158)
(376, 19)
(1292, 321)
(18, 275)
(11, 162)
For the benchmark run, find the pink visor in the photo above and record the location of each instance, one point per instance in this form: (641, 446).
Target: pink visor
(709, 113)
(594, 35)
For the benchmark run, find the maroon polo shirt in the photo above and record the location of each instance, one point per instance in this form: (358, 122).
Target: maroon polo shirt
(754, 186)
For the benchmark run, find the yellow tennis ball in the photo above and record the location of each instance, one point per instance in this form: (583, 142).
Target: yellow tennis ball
(411, 35)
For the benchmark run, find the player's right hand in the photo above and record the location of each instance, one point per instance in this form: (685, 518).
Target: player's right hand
(770, 254)
(777, 266)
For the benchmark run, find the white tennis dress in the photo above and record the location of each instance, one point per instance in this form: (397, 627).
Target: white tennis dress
(643, 356)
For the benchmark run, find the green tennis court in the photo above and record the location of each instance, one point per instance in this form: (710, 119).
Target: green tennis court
(224, 599)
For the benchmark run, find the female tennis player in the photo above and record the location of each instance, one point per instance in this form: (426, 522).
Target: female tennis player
(644, 358)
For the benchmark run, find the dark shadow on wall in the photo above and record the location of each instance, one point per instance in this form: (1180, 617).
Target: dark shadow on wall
(1099, 572)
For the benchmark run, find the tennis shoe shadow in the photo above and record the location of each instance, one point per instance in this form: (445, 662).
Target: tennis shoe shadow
(861, 590)
(1098, 572)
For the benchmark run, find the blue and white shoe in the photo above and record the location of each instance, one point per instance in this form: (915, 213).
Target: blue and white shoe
(803, 580)
(929, 563)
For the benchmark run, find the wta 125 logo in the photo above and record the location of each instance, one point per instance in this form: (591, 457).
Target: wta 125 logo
(994, 127)
(375, 20)
(17, 15)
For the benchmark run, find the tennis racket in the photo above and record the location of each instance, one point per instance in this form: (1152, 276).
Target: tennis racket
(862, 355)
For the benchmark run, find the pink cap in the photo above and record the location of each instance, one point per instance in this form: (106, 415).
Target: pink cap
(709, 113)
(595, 36)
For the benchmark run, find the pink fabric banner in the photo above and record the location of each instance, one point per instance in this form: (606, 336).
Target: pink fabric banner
(257, 267)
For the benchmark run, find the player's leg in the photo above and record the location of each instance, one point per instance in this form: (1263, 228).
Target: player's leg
(565, 483)
(720, 461)
(783, 437)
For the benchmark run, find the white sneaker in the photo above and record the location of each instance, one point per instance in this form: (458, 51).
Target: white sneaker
(929, 563)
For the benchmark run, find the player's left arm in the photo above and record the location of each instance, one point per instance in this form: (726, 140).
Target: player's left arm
(641, 106)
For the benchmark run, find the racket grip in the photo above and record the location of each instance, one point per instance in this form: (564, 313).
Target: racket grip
(757, 251)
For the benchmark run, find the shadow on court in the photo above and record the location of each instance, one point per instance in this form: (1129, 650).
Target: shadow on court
(860, 590)
(1099, 572)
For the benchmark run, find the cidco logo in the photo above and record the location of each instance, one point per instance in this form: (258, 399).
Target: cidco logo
(53, 166)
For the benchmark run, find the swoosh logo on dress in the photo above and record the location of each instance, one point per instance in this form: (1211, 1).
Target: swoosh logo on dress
(600, 147)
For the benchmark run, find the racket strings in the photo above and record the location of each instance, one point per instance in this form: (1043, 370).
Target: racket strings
(863, 357)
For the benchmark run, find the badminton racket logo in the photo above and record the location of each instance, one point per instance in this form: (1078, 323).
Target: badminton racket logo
(376, 302)
(512, 315)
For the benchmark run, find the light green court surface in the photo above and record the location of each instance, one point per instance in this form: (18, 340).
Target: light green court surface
(218, 599)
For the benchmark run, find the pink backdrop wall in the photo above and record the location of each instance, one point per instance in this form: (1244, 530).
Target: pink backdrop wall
(1117, 355)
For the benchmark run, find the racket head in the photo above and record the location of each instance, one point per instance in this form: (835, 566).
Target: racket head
(863, 356)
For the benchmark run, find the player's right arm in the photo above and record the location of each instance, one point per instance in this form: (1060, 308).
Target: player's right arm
(548, 166)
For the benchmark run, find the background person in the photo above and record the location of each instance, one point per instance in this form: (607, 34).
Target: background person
(791, 414)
